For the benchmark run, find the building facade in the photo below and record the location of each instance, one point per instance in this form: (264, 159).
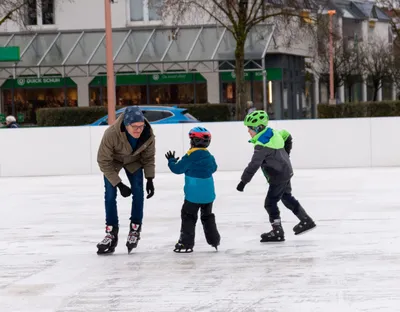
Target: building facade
(359, 24)
(62, 61)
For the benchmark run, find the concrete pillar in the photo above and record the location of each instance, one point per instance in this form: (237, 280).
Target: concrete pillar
(341, 94)
(394, 92)
(83, 90)
(212, 87)
(340, 25)
(379, 93)
(364, 93)
(316, 96)
(364, 31)
(277, 99)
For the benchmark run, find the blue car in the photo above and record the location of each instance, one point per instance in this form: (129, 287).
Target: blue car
(156, 115)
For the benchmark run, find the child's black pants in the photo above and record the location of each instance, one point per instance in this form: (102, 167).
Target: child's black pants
(189, 215)
(277, 192)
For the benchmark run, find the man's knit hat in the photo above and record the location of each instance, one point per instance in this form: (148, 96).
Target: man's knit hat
(133, 114)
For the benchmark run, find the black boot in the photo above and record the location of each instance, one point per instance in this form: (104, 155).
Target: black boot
(183, 248)
(305, 224)
(133, 236)
(109, 242)
(275, 235)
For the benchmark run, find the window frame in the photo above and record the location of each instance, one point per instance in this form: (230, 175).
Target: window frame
(146, 16)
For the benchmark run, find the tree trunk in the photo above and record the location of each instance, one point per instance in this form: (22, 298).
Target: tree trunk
(240, 80)
(376, 88)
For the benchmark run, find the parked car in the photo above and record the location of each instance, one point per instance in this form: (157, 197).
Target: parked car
(156, 115)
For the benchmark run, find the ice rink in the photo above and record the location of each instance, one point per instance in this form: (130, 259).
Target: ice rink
(351, 262)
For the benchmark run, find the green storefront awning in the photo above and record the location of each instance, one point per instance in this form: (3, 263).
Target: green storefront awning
(38, 83)
(272, 74)
(156, 78)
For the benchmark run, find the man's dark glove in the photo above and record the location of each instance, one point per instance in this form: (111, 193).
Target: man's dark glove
(171, 155)
(149, 188)
(240, 186)
(124, 190)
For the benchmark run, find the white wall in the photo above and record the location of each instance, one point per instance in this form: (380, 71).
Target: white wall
(320, 143)
(78, 14)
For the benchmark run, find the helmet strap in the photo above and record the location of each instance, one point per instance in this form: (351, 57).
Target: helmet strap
(257, 129)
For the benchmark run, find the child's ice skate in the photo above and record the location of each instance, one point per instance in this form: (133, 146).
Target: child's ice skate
(109, 242)
(181, 248)
(133, 236)
(306, 223)
(275, 235)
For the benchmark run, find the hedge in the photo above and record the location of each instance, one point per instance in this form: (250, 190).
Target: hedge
(77, 116)
(364, 109)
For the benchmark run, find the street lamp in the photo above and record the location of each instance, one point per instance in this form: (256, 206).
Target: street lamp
(331, 98)
(109, 63)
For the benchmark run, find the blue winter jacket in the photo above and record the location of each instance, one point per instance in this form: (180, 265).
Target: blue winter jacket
(198, 165)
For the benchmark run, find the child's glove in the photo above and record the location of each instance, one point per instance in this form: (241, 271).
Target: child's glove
(240, 186)
(171, 155)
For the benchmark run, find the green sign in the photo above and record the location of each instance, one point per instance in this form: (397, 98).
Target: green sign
(231, 76)
(272, 74)
(156, 78)
(176, 78)
(34, 82)
(20, 117)
(9, 54)
(2, 118)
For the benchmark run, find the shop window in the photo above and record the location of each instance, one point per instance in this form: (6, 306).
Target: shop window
(229, 92)
(131, 95)
(125, 95)
(172, 94)
(201, 93)
(258, 94)
(27, 101)
(48, 12)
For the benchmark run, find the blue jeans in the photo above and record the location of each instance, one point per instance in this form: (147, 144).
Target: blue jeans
(110, 198)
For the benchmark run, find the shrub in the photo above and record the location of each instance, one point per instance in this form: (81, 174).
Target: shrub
(364, 109)
(77, 116)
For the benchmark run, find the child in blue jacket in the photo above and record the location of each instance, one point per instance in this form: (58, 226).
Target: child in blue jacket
(198, 165)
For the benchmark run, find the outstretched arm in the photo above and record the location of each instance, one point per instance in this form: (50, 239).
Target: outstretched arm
(178, 167)
(259, 156)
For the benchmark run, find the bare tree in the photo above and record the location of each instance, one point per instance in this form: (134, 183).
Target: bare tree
(377, 62)
(240, 17)
(14, 10)
(346, 63)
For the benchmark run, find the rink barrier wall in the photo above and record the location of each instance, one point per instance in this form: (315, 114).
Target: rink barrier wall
(317, 143)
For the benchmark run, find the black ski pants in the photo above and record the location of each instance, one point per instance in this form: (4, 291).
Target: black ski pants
(189, 215)
(277, 192)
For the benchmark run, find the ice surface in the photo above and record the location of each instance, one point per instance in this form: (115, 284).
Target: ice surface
(50, 227)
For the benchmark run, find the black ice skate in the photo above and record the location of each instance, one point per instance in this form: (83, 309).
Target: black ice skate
(306, 223)
(275, 235)
(133, 236)
(181, 248)
(110, 241)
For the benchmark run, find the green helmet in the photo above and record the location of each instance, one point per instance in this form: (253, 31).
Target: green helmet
(256, 119)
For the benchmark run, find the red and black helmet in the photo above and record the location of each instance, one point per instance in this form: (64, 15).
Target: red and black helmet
(200, 137)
